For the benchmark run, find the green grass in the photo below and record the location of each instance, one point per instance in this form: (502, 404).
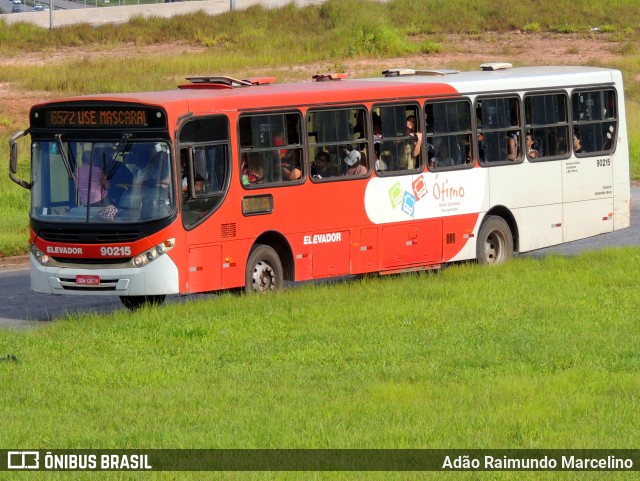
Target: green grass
(538, 353)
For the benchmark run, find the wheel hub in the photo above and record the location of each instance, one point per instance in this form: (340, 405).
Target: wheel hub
(264, 277)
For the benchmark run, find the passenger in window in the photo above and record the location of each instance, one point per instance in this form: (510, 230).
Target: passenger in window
(380, 165)
(377, 129)
(156, 199)
(278, 142)
(467, 149)
(531, 150)
(354, 165)
(252, 172)
(93, 185)
(291, 166)
(120, 179)
(512, 145)
(198, 181)
(561, 145)
(442, 157)
(608, 138)
(292, 129)
(481, 146)
(359, 129)
(324, 167)
(412, 131)
(577, 142)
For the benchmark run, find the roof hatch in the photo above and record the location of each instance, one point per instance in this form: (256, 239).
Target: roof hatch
(324, 77)
(398, 72)
(495, 66)
(224, 82)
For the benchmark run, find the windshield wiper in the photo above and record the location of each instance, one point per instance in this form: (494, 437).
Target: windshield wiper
(65, 159)
(121, 147)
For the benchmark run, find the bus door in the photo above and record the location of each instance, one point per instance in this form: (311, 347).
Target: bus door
(204, 167)
(588, 172)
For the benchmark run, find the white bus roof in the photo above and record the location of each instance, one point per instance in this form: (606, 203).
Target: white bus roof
(503, 79)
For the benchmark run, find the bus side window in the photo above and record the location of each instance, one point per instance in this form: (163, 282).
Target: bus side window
(400, 133)
(333, 134)
(271, 153)
(207, 166)
(547, 121)
(499, 129)
(448, 140)
(595, 118)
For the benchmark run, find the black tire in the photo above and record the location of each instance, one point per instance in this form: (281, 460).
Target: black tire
(133, 303)
(264, 270)
(495, 241)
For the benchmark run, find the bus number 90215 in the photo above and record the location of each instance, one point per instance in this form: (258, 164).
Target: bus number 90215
(115, 251)
(603, 162)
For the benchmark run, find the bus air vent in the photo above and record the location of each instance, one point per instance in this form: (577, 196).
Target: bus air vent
(224, 82)
(228, 230)
(398, 72)
(323, 77)
(495, 66)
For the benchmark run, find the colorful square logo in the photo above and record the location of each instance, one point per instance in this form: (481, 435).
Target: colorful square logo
(419, 187)
(408, 203)
(395, 195)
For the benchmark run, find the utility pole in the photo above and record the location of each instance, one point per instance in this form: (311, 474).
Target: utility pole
(232, 5)
(50, 14)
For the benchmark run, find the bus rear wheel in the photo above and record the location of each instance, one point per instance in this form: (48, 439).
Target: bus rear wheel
(264, 271)
(133, 303)
(495, 242)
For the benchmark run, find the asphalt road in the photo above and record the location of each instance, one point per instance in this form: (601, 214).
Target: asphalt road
(20, 308)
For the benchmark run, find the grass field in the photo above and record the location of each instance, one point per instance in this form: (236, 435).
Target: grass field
(538, 353)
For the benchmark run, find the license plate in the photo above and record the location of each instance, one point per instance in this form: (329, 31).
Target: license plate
(87, 280)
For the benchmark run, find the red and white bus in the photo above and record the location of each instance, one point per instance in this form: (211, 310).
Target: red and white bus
(227, 183)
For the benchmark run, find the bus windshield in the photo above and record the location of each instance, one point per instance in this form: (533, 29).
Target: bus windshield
(123, 181)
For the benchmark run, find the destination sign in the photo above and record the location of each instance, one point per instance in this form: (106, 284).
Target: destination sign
(107, 117)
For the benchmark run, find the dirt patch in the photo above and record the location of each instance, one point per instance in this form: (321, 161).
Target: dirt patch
(458, 50)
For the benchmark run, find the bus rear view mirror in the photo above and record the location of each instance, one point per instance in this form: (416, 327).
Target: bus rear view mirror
(13, 159)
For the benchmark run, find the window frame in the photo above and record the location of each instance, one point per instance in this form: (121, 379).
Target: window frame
(433, 135)
(531, 126)
(611, 120)
(271, 148)
(317, 146)
(211, 201)
(480, 129)
(420, 127)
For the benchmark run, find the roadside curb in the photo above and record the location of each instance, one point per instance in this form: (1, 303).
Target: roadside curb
(14, 262)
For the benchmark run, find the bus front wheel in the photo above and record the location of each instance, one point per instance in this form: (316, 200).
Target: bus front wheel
(134, 303)
(495, 242)
(264, 270)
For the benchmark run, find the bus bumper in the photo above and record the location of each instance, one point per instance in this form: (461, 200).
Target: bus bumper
(156, 278)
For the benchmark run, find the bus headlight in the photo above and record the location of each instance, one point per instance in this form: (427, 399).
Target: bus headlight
(43, 259)
(35, 251)
(152, 254)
